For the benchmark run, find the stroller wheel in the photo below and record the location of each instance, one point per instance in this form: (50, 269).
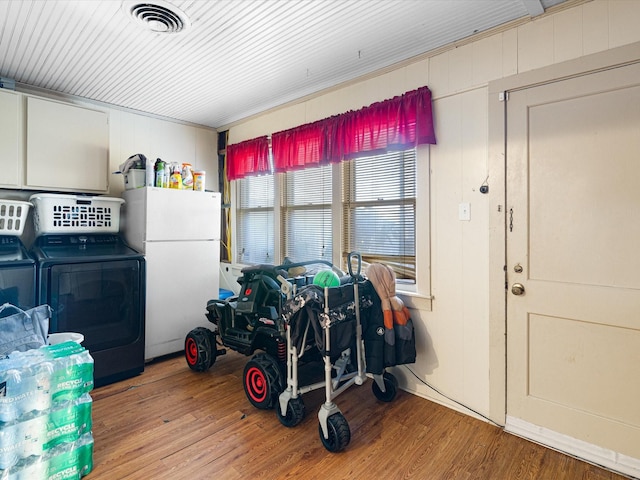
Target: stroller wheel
(263, 381)
(199, 349)
(339, 433)
(390, 386)
(295, 412)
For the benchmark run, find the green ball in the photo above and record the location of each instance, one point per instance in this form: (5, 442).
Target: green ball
(326, 278)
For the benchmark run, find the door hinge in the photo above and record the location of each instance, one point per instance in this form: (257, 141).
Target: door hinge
(503, 96)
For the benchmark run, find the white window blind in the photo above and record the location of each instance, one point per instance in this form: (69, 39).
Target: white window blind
(379, 205)
(256, 219)
(306, 214)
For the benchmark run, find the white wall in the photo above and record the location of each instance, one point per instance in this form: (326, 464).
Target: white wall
(132, 133)
(453, 338)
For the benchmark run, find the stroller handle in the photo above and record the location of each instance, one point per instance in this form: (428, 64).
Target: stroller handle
(358, 257)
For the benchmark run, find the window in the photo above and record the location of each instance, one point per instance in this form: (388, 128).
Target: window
(306, 214)
(379, 211)
(256, 220)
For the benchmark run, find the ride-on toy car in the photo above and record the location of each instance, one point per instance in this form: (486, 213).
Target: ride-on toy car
(252, 321)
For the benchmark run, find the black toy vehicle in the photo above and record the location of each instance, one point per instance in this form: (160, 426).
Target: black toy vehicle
(252, 321)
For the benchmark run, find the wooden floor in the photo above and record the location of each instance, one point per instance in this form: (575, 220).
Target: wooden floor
(172, 423)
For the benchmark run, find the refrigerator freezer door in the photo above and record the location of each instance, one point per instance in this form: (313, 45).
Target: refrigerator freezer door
(180, 215)
(181, 278)
(164, 214)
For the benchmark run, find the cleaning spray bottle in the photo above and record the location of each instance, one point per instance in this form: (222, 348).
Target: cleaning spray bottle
(187, 176)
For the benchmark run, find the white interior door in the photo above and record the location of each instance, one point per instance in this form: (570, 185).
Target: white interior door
(573, 258)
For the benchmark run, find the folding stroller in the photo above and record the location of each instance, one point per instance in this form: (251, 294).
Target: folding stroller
(330, 319)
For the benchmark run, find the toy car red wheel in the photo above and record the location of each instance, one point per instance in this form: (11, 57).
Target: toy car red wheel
(263, 381)
(199, 350)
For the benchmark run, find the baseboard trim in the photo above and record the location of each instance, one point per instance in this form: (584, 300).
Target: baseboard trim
(588, 452)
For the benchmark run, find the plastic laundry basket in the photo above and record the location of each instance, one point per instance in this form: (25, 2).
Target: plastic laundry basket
(13, 216)
(58, 213)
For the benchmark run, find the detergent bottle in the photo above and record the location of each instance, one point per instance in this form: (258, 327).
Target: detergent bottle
(199, 180)
(175, 181)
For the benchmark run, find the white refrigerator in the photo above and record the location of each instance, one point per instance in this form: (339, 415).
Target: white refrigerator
(179, 233)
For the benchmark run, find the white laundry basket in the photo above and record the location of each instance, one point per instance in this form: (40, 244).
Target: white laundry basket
(13, 216)
(59, 213)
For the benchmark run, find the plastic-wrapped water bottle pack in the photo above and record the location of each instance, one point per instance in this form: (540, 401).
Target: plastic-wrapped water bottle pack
(45, 412)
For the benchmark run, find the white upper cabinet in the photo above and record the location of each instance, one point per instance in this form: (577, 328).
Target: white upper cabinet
(67, 147)
(10, 139)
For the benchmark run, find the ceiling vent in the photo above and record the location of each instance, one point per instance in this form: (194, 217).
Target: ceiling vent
(157, 16)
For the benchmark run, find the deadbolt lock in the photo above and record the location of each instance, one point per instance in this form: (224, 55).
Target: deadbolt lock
(517, 268)
(517, 289)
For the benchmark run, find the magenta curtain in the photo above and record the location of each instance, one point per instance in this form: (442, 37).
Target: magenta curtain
(299, 147)
(399, 123)
(250, 157)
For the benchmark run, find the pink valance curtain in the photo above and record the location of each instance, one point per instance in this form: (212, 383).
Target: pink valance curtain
(300, 147)
(250, 157)
(399, 123)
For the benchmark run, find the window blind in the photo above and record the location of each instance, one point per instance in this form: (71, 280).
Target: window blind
(379, 204)
(306, 214)
(255, 223)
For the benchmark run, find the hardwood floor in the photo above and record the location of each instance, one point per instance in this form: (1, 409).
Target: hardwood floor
(172, 423)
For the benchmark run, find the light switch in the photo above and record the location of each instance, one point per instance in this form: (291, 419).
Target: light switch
(464, 212)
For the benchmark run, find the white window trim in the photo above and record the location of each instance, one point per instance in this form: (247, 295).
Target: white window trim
(419, 295)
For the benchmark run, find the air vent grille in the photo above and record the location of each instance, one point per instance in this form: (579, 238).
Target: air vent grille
(160, 17)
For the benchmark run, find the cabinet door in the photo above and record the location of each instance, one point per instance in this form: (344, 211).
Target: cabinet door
(10, 131)
(67, 147)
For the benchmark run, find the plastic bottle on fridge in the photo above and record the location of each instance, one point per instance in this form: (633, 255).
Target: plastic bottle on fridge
(167, 175)
(199, 180)
(149, 173)
(187, 176)
(175, 181)
(159, 171)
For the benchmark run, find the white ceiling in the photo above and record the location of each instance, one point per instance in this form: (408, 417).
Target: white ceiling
(238, 58)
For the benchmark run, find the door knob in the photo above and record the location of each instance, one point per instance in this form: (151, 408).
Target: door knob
(517, 289)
